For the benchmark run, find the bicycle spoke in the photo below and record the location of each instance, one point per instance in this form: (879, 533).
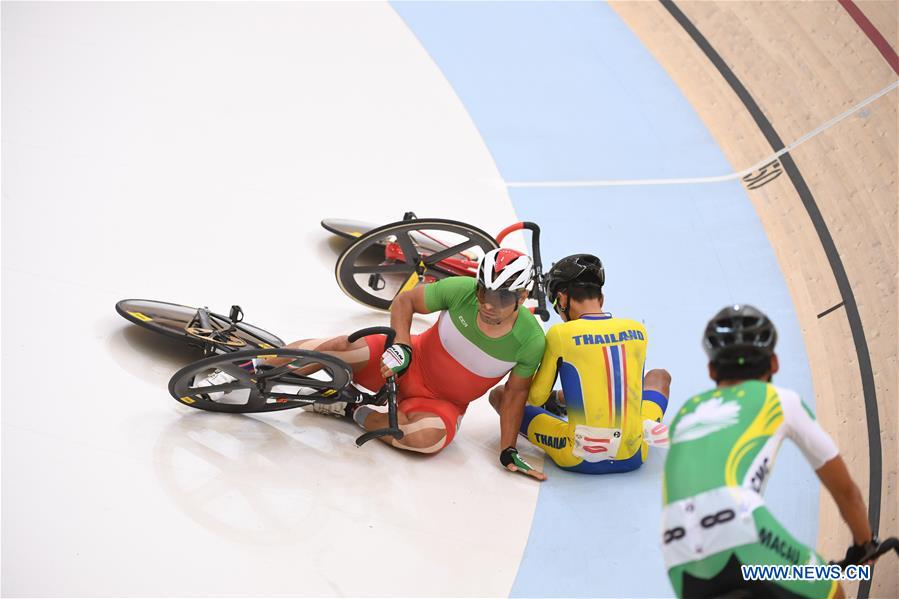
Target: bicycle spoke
(224, 388)
(245, 376)
(304, 381)
(278, 371)
(408, 246)
(290, 370)
(449, 252)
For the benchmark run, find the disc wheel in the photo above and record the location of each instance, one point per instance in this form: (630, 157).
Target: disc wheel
(278, 379)
(348, 229)
(180, 322)
(415, 251)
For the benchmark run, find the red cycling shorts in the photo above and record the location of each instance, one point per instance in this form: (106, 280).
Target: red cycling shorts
(413, 395)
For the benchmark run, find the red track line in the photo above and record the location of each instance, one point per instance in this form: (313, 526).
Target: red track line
(871, 31)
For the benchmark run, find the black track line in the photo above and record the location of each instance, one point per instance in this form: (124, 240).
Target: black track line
(833, 256)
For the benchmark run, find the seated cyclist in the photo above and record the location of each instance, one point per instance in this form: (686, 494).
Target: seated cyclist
(481, 335)
(723, 446)
(613, 409)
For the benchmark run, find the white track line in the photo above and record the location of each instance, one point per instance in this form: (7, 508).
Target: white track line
(719, 178)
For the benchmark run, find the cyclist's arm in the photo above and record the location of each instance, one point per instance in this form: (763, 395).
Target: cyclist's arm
(546, 374)
(403, 307)
(511, 408)
(823, 455)
(836, 479)
(511, 411)
(515, 391)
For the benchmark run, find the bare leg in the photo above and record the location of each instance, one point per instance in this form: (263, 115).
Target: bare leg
(657, 379)
(654, 432)
(424, 432)
(355, 354)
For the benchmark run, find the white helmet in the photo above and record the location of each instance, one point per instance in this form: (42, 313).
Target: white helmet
(506, 269)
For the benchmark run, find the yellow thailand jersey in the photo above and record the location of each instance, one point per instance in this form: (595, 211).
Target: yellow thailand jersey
(600, 360)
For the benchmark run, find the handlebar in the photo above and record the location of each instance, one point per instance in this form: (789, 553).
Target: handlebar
(537, 292)
(884, 546)
(390, 388)
(390, 333)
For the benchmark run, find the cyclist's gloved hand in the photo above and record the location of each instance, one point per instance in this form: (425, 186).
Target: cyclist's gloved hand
(397, 358)
(856, 553)
(512, 461)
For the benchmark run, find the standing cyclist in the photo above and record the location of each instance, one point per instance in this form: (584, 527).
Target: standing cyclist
(481, 336)
(612, 408)
(723, 446)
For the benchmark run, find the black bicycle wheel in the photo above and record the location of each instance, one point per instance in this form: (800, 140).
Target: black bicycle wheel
(425, 246)
(179, 322)
(250, 381)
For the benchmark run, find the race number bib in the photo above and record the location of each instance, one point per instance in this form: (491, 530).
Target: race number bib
(705, 524)
(594, 444)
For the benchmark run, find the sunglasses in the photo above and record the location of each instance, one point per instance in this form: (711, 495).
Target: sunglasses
(497, 297)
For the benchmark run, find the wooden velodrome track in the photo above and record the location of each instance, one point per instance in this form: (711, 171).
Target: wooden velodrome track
(762, 75)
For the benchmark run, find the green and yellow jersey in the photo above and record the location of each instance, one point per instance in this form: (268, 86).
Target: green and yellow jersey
(723, 446)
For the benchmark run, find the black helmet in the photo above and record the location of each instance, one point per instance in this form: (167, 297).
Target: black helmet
(738, 334)
(578, 270)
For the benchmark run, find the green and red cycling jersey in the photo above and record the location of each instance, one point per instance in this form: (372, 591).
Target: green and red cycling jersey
(453, 360)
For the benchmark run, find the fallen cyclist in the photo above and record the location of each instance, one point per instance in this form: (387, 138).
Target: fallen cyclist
(482, 334)
(614, 410)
